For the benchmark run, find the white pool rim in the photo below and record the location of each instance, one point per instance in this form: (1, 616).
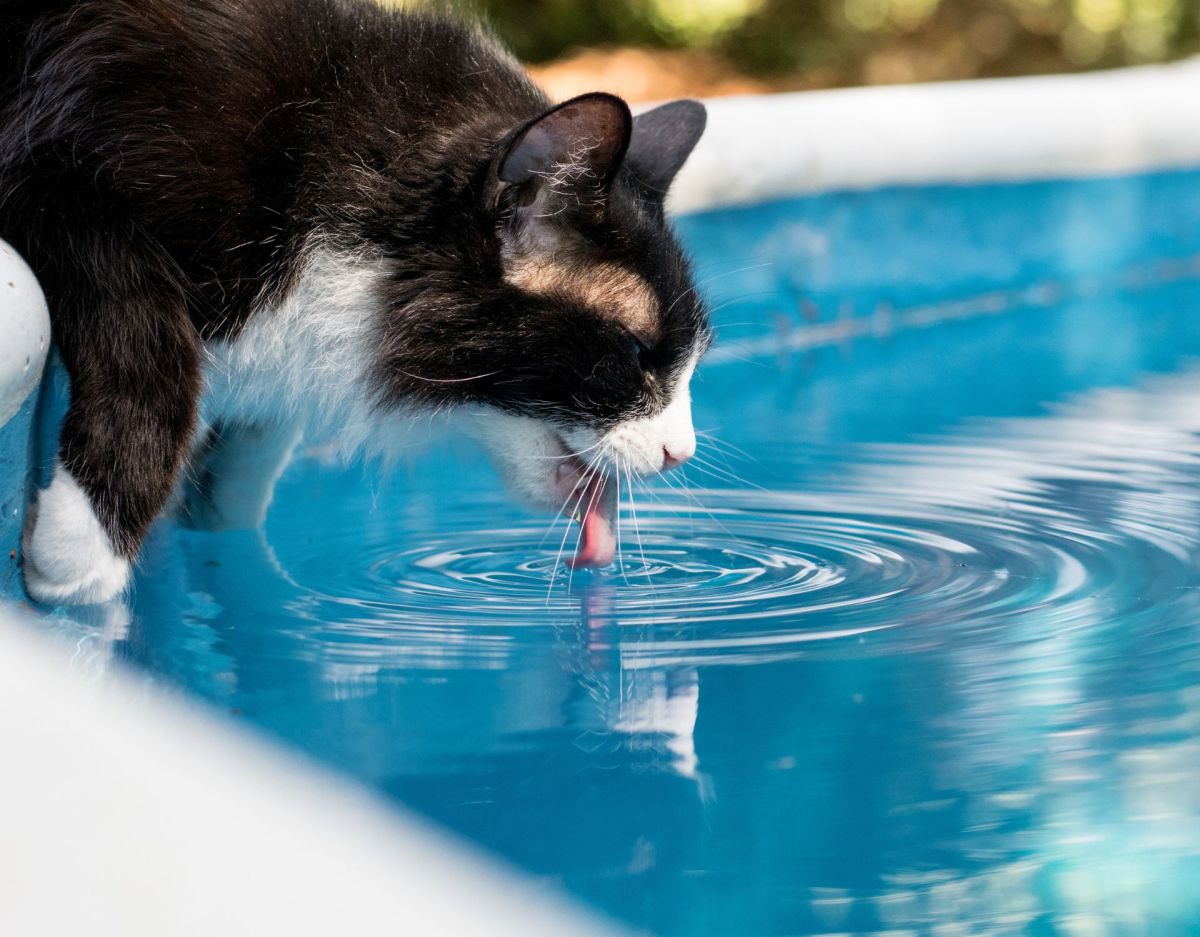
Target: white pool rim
(24, 332)
(768, 147)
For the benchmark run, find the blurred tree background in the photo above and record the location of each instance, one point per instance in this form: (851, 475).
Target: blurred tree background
(654, 48)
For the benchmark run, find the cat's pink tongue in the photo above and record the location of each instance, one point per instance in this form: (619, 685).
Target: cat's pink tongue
(598, 539)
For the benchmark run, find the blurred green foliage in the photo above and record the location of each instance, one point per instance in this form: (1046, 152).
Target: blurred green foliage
(855, 41)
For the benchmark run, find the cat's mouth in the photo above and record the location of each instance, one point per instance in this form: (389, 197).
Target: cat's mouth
(592, 495)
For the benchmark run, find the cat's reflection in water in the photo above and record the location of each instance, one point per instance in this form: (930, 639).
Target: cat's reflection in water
(475, 740)
(646, 708)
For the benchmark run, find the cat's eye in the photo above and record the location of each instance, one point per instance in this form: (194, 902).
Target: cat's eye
(644, 352)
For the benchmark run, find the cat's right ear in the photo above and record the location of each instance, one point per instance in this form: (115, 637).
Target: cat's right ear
(572, 150)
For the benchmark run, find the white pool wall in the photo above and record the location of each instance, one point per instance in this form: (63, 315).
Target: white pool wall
(24, 332)
(766, 147)
(127, 811)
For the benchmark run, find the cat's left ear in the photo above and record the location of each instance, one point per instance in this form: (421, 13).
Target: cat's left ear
(574, 148)
(663, 139)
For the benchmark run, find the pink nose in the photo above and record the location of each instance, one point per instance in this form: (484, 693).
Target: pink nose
(673, 458)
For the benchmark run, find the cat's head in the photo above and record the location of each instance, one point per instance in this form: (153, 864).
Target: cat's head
(577, 327)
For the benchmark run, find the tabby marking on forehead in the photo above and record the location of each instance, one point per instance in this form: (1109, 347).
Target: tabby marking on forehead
(610, 289)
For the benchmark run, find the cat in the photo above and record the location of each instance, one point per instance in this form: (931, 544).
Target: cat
(326, 218)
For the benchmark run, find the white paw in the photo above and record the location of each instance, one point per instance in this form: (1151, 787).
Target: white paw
(68, 557)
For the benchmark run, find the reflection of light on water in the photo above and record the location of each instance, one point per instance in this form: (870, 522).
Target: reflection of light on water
(1010, 562)
(94, 631)
(1133, 869)
(1117, 831)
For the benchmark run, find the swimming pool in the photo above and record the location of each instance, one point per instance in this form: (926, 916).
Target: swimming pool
(914, 650)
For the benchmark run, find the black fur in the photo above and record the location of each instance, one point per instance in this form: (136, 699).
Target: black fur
(164, 164)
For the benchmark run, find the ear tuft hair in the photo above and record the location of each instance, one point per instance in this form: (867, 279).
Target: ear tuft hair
(578, 144)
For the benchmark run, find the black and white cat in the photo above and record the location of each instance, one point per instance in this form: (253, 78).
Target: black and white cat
(257, 220)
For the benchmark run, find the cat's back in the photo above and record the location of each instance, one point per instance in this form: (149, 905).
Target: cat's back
(224, 128)
(228, 77)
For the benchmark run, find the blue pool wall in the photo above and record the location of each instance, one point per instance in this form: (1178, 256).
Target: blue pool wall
(16, 456)
(820, 260)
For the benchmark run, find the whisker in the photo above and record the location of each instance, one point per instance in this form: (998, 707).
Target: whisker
(728, 351)
(739, 298)
(591, 504)
(657, 496)
(581, 489)
(562, 544)
(690, 496)
(447, 380)
(638, 533)
(554, 520)
(723, 459)
(715, 440)
(714, 278)
(620, 553)
(716, 472)
(570, 455)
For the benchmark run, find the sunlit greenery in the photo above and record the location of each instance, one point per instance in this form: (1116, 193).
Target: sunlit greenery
(851, 41)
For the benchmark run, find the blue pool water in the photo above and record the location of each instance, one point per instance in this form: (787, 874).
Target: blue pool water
(915, 649)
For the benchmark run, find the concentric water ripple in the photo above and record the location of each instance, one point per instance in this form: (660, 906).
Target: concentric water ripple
(760, 572)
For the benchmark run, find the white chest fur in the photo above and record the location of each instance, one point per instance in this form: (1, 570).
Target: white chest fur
(307, 362)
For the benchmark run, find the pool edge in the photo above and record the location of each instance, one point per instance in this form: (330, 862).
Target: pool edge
(132, 811)
(764, 147)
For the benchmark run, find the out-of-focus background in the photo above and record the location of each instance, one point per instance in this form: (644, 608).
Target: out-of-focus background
(649, 49)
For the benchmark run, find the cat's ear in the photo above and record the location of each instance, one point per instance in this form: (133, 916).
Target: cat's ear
(662, 140)
(575, 148)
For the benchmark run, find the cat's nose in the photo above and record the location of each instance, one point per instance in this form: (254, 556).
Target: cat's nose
(674, 456)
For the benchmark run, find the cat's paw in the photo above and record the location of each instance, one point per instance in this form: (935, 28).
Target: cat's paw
(68, 557)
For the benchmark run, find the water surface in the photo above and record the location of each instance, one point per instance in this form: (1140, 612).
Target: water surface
(913, 649)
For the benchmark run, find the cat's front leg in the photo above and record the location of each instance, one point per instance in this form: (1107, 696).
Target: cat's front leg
(134, 364)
